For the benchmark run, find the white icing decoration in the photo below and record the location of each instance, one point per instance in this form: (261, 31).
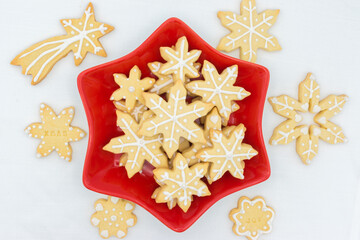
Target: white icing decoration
(95, 221)
(120, 234)
(128, 207)
(105, 233)
(130, 222)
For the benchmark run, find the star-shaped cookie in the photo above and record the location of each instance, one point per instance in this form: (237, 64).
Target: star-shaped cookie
(55, 132)
(180, 62)
(218, 88)
(137, 148)
(174, 119)
(131, 88)
(227, 153)
(248, 30)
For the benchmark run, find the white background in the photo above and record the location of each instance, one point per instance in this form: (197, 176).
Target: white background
(45, 199)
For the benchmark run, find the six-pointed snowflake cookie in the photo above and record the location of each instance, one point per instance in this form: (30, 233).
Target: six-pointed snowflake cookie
(252, 217)
(82, 37)
(137, 148)
(248, 30)
(175, 118)
(113, 217)
(180, 62)
(131, 88)
(307, 137)
(227, 153)
(181, 182)
(55, 132)
(218, 89)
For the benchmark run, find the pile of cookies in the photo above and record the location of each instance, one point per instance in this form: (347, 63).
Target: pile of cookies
(185, 141)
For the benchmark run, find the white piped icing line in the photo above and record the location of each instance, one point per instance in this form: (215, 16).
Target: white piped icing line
(307, 137)
(39, 60)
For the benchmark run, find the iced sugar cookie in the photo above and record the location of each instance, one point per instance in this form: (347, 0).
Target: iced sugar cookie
(227, 153)
(181, 182)
(55, 132)
(180, 62)
(113, 217)
(248, 31)
(218, 89)
(307, 137)
(174, 119)
(131, 88)
(137, 112)
(138, 148)
(81, 37)
(252, 217)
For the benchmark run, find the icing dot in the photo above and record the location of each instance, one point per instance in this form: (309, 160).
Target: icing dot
(93, 35)
(131, 89)
(244, 18)
(80, 23)
(72, 32)
(91, 25)
(87, 44)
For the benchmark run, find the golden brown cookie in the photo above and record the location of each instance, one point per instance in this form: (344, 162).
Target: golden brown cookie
(252, 217)
(82, 37)
(55, 132)
(131, 88)
(307, 137)
(113, 217)
(138, 148)
(180, 62)
(181, 182)
(137, 112)
(227, 153)
(248, 30)
(218, 89)
(174, 119)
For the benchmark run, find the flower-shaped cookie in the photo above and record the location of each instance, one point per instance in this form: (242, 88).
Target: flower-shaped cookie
(131, 88)
(252, 217)
(307, 137)
(113, 216)
(181, 182)
(55, 132)
(248, 30)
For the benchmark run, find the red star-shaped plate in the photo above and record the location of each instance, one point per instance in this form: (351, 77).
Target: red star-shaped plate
(101, 172)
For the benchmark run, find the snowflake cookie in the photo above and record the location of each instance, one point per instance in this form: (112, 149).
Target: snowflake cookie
(248, 30)
(218, 88)
(164, 82)
(82, 37)
(136, 147)
(252, 217)
(174, 119)
(131, 88)
(113, 216)
(307, 137)
(180, 62)
(227, 153)
(181, 182)
(55, 132)
(138, 111)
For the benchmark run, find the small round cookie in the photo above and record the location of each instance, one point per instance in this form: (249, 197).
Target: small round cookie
(252, 217)
(113, 217)
(55, 132)
(131, 88)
